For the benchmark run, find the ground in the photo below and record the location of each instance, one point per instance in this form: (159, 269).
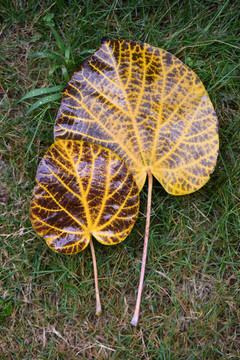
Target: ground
(190, 305)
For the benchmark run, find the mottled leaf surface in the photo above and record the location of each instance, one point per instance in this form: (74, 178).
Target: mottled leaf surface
(148, 107)
(83, 189)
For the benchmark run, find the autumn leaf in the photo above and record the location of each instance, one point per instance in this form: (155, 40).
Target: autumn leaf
(148, 107)
(152, 110)
(83, 190)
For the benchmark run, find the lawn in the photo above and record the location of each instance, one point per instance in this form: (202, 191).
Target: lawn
(190, 304)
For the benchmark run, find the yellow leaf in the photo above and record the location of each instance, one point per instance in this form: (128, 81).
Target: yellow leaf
(83, 189)
(148, 107)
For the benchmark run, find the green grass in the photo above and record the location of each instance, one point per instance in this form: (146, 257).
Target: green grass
(190, 306)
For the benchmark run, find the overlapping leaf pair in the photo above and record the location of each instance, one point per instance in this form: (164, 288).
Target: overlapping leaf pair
(146, 106)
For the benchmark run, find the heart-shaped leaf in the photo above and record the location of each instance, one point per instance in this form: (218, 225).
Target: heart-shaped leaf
(148, 107)
(83, 190)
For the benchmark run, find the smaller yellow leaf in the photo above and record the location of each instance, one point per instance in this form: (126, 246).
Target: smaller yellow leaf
(83, 189)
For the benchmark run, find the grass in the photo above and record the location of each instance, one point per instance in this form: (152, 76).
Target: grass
(190, 307)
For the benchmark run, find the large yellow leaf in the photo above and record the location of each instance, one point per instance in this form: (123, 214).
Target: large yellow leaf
(148, 107)
(83, 190)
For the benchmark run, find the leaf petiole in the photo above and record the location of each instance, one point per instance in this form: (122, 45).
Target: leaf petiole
(134, 321)
(98, 303)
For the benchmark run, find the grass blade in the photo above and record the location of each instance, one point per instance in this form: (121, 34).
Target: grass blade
(42, 91)
(43, 101)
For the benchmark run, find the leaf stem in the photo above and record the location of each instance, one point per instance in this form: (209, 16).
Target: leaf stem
(98, 303)
(134, 321)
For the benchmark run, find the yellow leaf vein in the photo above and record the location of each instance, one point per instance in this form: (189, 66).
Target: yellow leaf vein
(138, 138)
(64, 209)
